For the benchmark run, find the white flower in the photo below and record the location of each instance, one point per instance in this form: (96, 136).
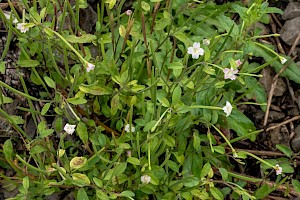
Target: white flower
(128, 153)
(128, 12)
(22, 27)
(235, 155)
(7, 16)
(278, 169)
(90, 67)
(127, 128)
(227, 108)
(145, 179)
(206, 42)
(230, 73)
(238, 62)
(195, 50)
(69, 128)
(282, 59)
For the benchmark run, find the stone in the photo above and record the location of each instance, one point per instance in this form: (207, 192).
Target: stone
(290, 31)
(295, 141)
(267, 80)
(291, 11)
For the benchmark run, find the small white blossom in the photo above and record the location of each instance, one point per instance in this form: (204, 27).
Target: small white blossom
(7, 16)
(278, 169)
(145, 179)
(69, 128)
(128, 12)
(127, 128)
(234, 154)
(206, 42)
(227, 108)
(230, 73)
(238, 62)
(128, 153)
(22, 27)
(282, 60)
(195, 50)
(90, 67)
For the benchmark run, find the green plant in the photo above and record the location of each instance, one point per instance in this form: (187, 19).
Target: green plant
(149, 118)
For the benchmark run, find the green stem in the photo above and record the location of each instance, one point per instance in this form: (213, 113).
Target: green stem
(225, 138)
(31, 167)
(67, 43)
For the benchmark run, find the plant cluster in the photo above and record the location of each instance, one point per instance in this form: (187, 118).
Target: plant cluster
(141, 106)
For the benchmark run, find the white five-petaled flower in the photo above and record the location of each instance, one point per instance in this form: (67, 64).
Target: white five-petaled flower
(195, 50)
(90, 67)
(238, 62)
(22, 27)
(129, 128)
(282, 59)
(69, 128)
(206, 42)
(278, 169)
(227, 108)
(230, 73)
(128, 12)
(145, 179)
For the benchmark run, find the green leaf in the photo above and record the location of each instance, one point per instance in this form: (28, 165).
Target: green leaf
(8, 149)
(183, 38)
(6, 100)
(45, 133)
(80, 179)
(82, 195)
(284, 149)
(241, 124)
(98, 182)
(127, 193)
(169, 140)
(2, 67)
(172, 165)
(78, 162)
(224, 173)
(95, 90)
(146, 7)
(274, 10)
(45, 108)
(114, 104)
(17, 119)
(133, 160)
(111, 3)
(217, 194)
(76, 100)
(292, 71)
(84, 38)
(122, 31)
(82, 132)
(29, 63)
(176, 95)
(101, 195)
(196, 142)
(263, 191)
(296, 185)
(205, 170)
(256, 91)
(50, 82)
(176, 65)
(190, 181)
(26, 183)
(37, 149)
(149, 125)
